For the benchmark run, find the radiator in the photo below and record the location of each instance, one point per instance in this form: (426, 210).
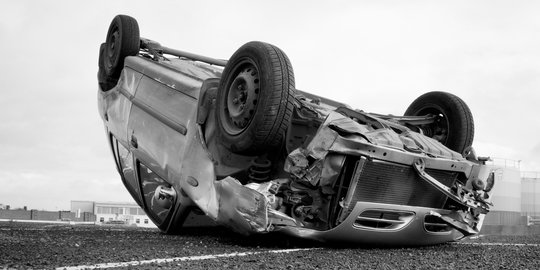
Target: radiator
(384, 182)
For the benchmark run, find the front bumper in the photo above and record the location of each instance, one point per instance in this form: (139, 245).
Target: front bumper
(402, 226)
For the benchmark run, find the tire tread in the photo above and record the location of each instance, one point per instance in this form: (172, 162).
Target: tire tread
(462, 122)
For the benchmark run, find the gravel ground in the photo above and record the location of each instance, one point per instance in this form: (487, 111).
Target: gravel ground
(46, 246)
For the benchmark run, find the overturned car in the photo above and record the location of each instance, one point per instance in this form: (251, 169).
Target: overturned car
(235, 141)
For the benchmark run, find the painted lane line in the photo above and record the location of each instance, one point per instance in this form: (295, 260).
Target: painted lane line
(181, 259)
(498, 244)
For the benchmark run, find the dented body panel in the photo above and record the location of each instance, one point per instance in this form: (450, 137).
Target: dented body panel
(345, 175)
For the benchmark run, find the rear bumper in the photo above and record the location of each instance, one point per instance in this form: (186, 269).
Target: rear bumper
(409, 229)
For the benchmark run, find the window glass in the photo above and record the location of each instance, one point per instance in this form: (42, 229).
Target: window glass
(101, 219)
(126, 167)
(115, 151)
(149, 182)
(133, 211)
(104, 210)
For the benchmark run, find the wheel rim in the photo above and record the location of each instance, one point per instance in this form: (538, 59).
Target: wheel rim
(113, 47)
(241, 99)
(439, 129)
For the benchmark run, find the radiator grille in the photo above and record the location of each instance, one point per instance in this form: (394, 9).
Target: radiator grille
(383, 182)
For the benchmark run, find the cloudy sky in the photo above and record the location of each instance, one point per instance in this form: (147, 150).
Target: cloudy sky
(375, 55)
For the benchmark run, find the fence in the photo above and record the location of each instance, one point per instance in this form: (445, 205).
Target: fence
(20, 214)
(503, 162)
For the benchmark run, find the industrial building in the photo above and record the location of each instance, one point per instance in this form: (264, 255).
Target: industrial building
(516, 196)
(114, 212)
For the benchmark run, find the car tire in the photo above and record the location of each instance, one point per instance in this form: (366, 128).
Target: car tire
(255, 99)
(122, 40)
(105, 82)
(455, 126)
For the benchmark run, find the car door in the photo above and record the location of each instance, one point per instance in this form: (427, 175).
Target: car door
(117, 105)
(125, 164)
(163, 106)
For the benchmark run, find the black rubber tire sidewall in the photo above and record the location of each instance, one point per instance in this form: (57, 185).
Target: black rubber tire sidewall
(267, 127)
(128, 41)
(106, 83)
(460, 120)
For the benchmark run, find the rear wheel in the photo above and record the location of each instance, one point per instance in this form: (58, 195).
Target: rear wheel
(255, 99)
(454, 126)
(122, 40)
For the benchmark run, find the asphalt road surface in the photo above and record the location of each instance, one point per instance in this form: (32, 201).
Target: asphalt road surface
(63, 246)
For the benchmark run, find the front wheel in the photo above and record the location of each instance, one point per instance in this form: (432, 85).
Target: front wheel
(454, 126)
(255, 99)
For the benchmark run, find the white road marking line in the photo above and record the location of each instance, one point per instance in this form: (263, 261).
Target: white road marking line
(180, 259)
(497, 244)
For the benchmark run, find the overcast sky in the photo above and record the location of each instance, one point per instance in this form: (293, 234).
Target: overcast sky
(375, 55)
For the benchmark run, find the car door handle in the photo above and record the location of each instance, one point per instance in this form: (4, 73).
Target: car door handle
(134, 141)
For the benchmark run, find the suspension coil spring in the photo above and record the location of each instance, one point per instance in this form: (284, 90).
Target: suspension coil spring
(260, 169)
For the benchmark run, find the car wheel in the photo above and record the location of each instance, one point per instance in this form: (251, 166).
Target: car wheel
(105, 82)
(255, 99)
(454, 127)
(122, 40)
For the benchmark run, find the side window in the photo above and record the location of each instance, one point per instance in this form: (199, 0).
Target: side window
(114, 144)
(150, 181)
(126, 167)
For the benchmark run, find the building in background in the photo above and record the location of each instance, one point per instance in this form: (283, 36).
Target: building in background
(516, 195)
(114, 212)
(530, 195)
(23, 214)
